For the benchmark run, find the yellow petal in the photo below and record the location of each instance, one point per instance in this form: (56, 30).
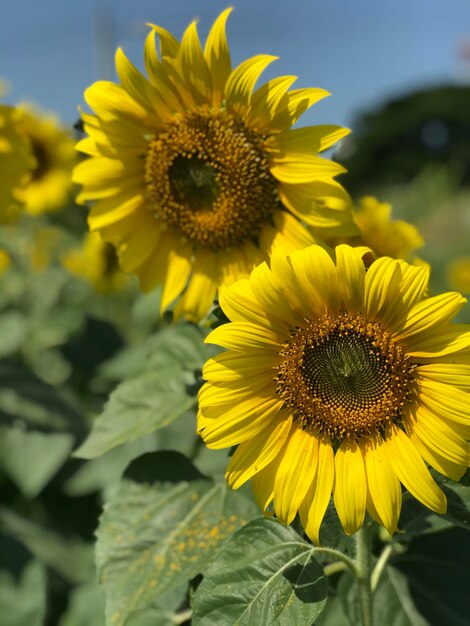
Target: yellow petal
(178, 268)
(242, 80)
(140, 243)
(414, 284)
(295, 473)
(194, 66)
(351, 275)
(240, 423)
(252, 456)
(452, 343)
(435, 460)
(272, 296)
(305, 140)
(322, 204)
(411, 470)
(106, 212)
(263, 483)
(304, 168)
(446, 373)
(446, 400)
(141, 90)
(239, 304)
(382, 292)
(233, 366)
(217, 55)
(111, 101)
(438, 436)
(350, 487)
(286, 231)
(201, 290)
(312, 509)
(383, 484)
(169, 46)
(296, 103)
(428, 315)
(317, 277)
(214, 395)
(242, 336)
(266, 100)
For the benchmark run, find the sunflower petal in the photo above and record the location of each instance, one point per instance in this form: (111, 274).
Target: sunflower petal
(350, 487)
(295, 473)
(252, 456)
(312, 510)
(383, 484)
(242, 80)
(411, 470)
(217, 54)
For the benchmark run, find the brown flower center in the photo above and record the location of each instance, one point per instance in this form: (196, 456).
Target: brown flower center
(208, 175)
(43, 160)
(344, 376)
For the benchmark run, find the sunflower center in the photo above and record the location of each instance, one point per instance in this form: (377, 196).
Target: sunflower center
(42, 159)
(344, 376)
(208, 175)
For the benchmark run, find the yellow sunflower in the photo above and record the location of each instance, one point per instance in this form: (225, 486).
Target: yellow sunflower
(196, 175)
(338, 381)
(50, 183)
(16, 161)
(96, 262)
(385, 236)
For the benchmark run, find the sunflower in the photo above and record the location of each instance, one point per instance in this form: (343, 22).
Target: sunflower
(196, 175)
(50, 183)
(96, 262)
(386, 237)
(16, 161)
(338, 381)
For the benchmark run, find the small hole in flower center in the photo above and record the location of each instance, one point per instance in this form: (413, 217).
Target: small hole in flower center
(193, 182)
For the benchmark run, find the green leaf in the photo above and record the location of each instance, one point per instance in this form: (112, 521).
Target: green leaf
(391, 603)
(23, 602)
(436, 566)
(458, 500)
(85, 607)
(12, 332)
(265, 574)
(72, 558)
(154, 396)
(160, 529)
(21, 450)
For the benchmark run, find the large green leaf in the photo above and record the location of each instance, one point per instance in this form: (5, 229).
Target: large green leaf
(23, 602)
(21, 450)
(160, 392)
(160, 529)
(265, 574)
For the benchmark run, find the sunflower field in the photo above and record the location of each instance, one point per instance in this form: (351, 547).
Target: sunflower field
(234, 348)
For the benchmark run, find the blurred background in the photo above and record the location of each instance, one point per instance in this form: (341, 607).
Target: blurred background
(72, 327)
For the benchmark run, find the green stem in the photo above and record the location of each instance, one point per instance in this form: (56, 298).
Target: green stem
(180, 618)
(363, 574)
(339, 556)
(380, 566)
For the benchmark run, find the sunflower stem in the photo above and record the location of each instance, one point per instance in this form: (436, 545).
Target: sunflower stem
(339, 556)
(380, 566)
(363, 540)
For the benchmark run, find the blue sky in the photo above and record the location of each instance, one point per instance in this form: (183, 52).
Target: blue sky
(363, 51)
